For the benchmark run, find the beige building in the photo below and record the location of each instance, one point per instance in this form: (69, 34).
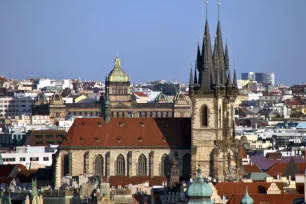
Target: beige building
(123, 105)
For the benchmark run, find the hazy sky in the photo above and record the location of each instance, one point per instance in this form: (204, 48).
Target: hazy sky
(155, 39)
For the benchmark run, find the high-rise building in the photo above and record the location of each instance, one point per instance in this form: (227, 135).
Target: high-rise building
(264, 78)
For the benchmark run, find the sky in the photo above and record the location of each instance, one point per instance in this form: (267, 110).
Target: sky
(154, 39)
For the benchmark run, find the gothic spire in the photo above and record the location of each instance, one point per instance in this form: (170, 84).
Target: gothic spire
(198, 63)
(216, 61)
(206, 59)
(229, 80)
(235, 79)
(226, 57)
(190, 79)
(195, 81)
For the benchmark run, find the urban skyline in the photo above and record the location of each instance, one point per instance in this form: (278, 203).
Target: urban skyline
(66, 44)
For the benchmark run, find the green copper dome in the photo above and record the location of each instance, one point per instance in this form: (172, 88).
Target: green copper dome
(199, 188)
(247, 199)
(161, 98)
(117, 74)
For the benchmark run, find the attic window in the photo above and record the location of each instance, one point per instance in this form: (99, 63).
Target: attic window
(142, 124)
(81, 139)
(97, 139)
(83, 123)
(139, 139)
(121, 124)
(118, 139)
(99, 124)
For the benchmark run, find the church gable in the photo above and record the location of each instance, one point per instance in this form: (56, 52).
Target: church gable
(129, 133)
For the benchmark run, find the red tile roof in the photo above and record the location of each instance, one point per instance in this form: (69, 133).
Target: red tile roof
(229, 188)
(265, 198)
(134, 180)
(279, 168)
(140, 94)
(129, 132)
(251, 168)
(242, 153)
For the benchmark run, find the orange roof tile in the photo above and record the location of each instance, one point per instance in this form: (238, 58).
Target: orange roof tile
(242, 153)
(279, 168)
(265, 198)
(229, 188)
(251, 168)
(141, 94)
(129, 132)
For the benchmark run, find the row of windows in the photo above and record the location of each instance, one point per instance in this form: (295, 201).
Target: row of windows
(83, 113)
(143, 165)
(23, 159)
(143, 114)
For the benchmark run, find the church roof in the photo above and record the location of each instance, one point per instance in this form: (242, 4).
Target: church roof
(129, 132)
(117, 74)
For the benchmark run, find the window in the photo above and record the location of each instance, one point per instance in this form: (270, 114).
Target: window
(86, 162)
(165, 165)
(204, 116)
(46, 158)
(49, 142)
(38, 136)
(142, 165)
(39, 142)
(9, 159)
(120, 165)
(49, 136)
(186, 165)
(67, 164)
(99, 166)
(34, 159)
(22, 159)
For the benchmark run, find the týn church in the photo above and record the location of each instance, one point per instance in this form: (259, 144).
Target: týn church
(121, 149)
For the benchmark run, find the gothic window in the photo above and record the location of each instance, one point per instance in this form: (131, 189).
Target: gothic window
(99, 166)
(164, 165)
(125, 90)
(186, 165)
(204, 116)
(114, 90)
(142, 165)
(120, 90)
(120, 165)
(86, 162)
(67, 164)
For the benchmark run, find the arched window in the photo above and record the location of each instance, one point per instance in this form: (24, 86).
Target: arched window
(114, 91)
(67, 164)
(120, 165)
(186, 165)
(99, 166)
(125, 90)
(204, 116)
(164, 170)
(142, 165)
(86, 162)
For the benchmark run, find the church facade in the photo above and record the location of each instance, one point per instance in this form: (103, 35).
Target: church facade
(125, 146)
(213, 93)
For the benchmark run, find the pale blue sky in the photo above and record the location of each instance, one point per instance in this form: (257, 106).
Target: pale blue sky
(155, 39)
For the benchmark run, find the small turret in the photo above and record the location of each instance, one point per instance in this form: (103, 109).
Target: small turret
(235, 79)
(247, 199)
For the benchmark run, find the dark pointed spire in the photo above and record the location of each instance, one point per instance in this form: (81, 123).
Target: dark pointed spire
(198, 57)
(195, 81)
(216, 61)
(235, 79)
(107, 103)
(206, 60)
(226, 57)
(229, 80)
(190, 79)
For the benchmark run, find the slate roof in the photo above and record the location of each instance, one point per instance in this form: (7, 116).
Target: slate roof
(258, 176)
(129, 132)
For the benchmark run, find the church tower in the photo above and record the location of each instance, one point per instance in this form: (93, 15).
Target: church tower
(213, 94)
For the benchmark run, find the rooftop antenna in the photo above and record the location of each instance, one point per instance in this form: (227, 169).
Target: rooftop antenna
(219, 10)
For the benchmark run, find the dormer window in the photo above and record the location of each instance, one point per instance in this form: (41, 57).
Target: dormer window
(118, 139)
(81, 139)
(140, 139)
(142, 124)
(97, 139)
(121, 124)
(100, 124)
(83, 123)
